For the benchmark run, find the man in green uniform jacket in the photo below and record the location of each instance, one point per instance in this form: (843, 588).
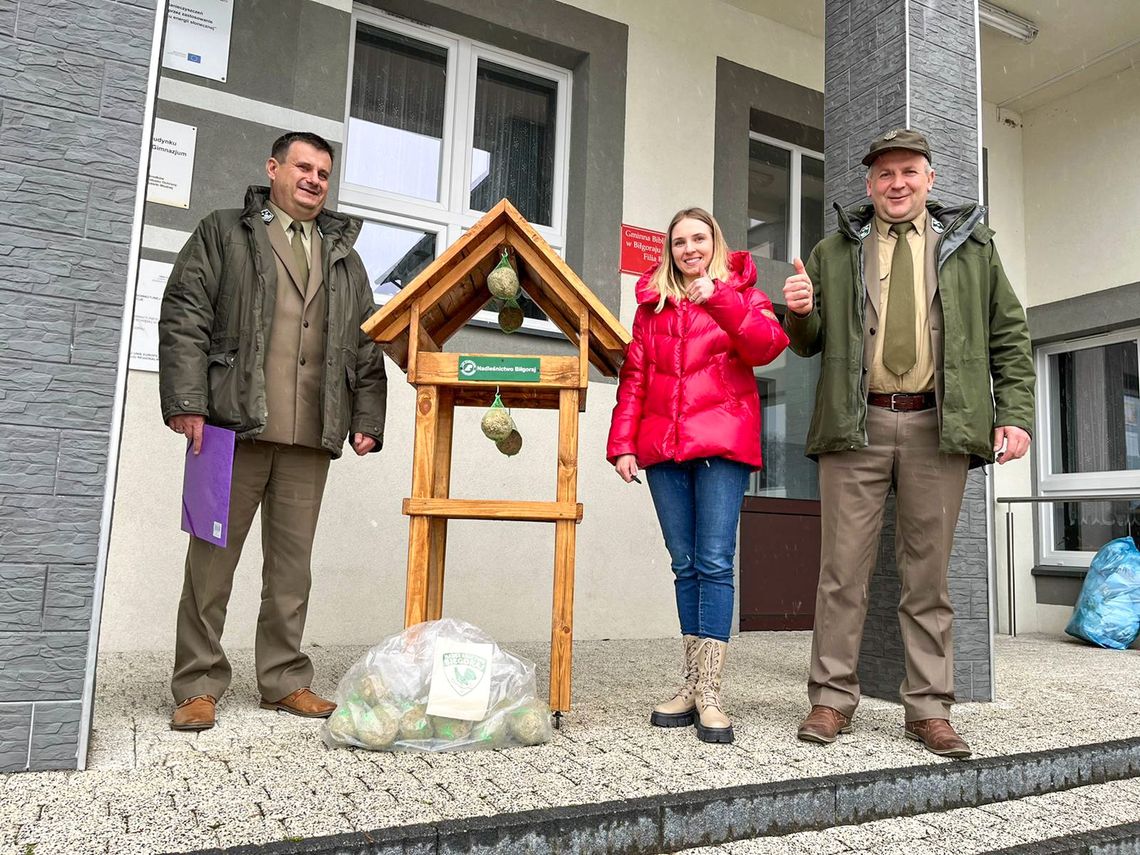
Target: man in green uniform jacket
(913, 316)
(259, 333)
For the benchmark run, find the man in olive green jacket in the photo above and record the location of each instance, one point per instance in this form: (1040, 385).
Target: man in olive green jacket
(259, 333)
(913, 316)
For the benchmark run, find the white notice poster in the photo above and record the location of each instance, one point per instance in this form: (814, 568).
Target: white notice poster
(148, 297)
(198, 37)
(460, 679)
(171, 163)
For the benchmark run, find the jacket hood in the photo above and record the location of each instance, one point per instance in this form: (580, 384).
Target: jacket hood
(338, 228)
(741, 275)
(855, 221)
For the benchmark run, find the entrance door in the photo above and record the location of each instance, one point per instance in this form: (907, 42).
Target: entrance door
(779, 525)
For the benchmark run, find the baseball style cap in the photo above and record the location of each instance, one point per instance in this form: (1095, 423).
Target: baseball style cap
(903, 138)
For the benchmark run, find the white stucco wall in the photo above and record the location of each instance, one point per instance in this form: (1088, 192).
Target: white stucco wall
(498, 575)
(1082, 194)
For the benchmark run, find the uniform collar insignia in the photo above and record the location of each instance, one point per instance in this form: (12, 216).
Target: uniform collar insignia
(266, 216)
(937, 226)
(866, 230)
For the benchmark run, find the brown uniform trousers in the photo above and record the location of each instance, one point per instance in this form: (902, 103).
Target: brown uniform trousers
(283, 472)
(902, 451)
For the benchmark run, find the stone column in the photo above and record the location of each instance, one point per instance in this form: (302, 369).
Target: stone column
(894, 64)
(73, 77)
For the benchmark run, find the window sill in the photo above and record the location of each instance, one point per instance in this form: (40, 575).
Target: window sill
(1058, 571)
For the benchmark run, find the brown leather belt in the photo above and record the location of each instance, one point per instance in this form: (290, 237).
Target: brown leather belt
(902, 402)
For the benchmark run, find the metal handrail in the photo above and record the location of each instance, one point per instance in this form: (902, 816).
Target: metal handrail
(1009, 502)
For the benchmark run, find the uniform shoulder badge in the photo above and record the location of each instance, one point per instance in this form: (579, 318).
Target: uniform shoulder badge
(266, 216)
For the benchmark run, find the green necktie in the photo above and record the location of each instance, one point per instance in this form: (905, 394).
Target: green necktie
(899, 346)
(300, 257)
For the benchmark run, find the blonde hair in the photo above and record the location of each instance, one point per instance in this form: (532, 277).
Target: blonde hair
(668, 280)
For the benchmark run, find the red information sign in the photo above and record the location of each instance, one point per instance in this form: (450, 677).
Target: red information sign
(641, 249)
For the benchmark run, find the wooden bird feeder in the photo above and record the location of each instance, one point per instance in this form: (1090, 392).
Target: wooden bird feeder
(412, 328)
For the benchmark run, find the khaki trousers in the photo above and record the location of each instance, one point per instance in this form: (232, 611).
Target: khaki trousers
(903, 452)
(287, 482)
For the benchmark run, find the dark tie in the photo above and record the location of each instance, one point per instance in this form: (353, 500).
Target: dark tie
(300, 257)
(899, 347)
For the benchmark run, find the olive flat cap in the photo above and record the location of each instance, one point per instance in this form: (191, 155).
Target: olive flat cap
(903, 138)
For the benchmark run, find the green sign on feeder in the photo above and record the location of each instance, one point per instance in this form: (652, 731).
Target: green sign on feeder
(499, 369)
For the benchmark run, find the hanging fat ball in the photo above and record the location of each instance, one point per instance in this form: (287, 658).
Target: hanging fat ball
(510, 317)
(497, 423)
(503, 282)
(512, 445)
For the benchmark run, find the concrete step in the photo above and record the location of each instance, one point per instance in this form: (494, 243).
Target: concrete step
(1098, 818)
(714, 817)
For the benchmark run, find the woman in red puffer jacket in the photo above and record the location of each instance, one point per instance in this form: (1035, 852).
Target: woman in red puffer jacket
(688, 413)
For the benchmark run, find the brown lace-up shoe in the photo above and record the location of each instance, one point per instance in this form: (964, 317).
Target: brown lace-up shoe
(938, 737)
(195, 713)
(823, 725)
(303, 702)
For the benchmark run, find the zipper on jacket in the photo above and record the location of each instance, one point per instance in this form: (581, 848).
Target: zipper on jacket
(863, 345)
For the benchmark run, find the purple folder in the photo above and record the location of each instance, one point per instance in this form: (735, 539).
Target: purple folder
(206, 486)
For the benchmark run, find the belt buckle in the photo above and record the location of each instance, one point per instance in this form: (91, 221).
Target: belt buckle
(895, 409)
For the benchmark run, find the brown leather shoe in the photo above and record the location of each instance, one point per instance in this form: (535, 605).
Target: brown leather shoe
(823, 725)
(938, 737)
(195, 713)
(303, 702)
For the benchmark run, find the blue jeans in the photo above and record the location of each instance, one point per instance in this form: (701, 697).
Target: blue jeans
(698, 506)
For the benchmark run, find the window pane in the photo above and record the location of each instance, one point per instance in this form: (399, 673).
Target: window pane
(513, 141)
(787, 398)
(1087, 526)
(1095, 409)
(393, 255)
(769, 192)
(811, 204)
(395, 118)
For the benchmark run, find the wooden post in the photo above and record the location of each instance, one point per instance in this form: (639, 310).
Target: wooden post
(441, 488)
(562, 613)
(423, 482)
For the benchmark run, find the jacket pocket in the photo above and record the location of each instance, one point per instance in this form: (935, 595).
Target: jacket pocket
(224, 392)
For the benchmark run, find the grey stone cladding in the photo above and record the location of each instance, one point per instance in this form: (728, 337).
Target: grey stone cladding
(866, 89)
(72, 98)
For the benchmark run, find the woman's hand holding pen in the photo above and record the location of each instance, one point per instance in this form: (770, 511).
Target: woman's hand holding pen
(626, 466)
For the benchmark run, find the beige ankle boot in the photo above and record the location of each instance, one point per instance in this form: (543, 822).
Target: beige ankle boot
(680, 711)
(712, 724)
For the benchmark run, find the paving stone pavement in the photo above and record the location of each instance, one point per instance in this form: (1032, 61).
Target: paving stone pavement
(965, 831)
(261, 776)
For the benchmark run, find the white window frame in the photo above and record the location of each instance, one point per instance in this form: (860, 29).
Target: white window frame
(795, 189)
(1108, 484)
(450, 215)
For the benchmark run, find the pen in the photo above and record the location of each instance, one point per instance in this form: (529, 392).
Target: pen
(635, 478)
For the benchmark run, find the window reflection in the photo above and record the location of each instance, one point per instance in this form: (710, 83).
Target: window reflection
(393, 256)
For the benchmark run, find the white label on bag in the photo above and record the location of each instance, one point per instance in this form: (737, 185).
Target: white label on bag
(460, 679)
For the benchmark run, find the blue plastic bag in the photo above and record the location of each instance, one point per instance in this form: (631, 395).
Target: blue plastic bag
(1108, 610)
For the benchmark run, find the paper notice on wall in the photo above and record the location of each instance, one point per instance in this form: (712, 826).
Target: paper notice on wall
(460, 679)
(148, 298)
(171, 163)
(198, 37)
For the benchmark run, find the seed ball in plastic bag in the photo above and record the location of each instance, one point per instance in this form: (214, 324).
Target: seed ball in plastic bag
(512, 445)
(414, 723)
(497, 423)
(340, 725)
(376, 727)
(530, 724)
(492, 732)
(503, 282)
(510, 317)
(371, 689)
(450, 729)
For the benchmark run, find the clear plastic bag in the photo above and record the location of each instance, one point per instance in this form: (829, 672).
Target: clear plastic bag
(386, 700)
(1108, 609)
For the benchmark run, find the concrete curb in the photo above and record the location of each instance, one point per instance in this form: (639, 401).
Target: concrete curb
(666, 823)
(1115, 840)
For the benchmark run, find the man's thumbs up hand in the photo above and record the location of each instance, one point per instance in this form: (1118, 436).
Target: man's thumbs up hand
(799, 296)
